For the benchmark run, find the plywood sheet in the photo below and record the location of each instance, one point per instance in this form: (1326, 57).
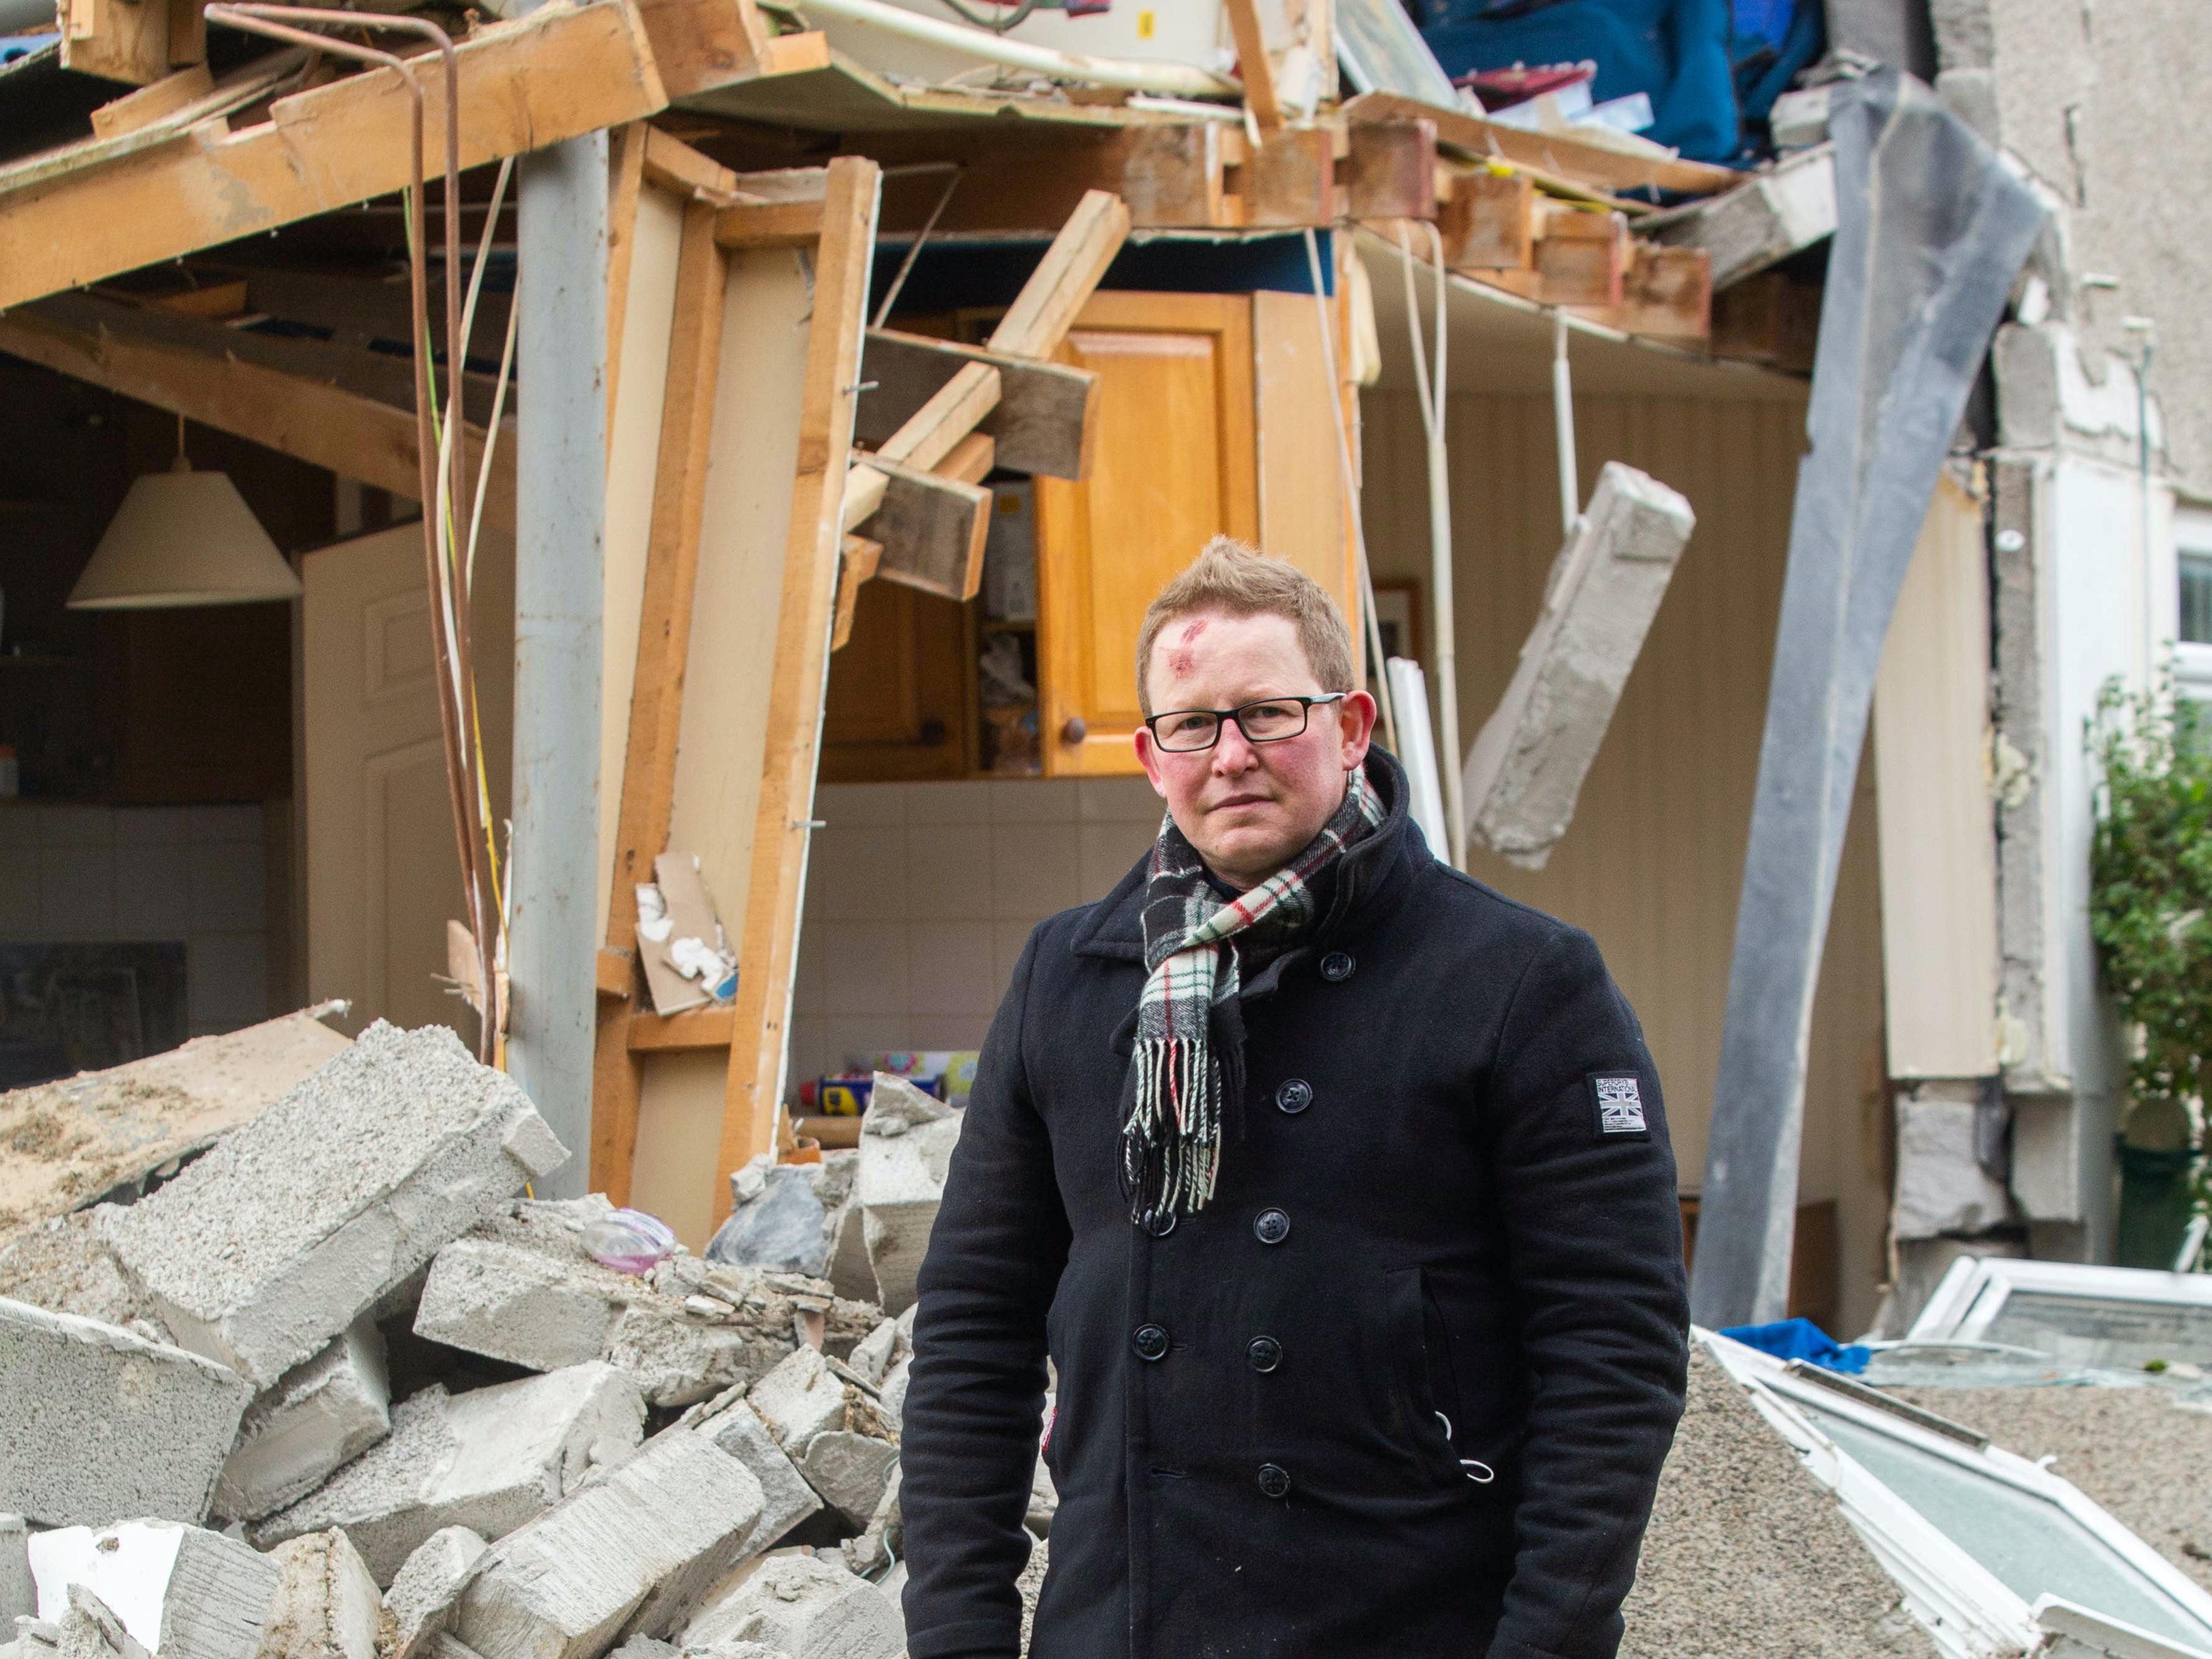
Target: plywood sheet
(633, 453)
(1938, 824)
(720, 748)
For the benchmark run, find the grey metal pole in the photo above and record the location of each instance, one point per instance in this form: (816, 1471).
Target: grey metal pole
(560, 528)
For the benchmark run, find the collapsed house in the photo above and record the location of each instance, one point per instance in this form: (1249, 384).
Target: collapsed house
(792, 533)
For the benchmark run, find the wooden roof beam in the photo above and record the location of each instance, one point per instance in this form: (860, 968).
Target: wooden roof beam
(558, 73)
(352, 433)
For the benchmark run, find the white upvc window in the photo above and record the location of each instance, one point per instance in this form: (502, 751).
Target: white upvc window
(1993, 1554)
(2110, 1318)
(2192, 645)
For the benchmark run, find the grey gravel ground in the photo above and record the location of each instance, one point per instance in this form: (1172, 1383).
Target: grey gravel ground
(1747, 1556)
(1031, 1581)
(2146, 1459)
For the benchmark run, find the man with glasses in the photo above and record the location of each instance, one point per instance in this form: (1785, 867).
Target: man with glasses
(1335, 1186)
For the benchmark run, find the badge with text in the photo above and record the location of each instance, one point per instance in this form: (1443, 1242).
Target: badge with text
(1620, 1104)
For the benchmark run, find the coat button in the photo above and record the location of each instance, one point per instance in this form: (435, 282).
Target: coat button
(1159, 1226)
(1265, 1353)
(1295, 1094)
(1274, 1481)
(1271, 1226)
(1150, 1342)
(1336, 967)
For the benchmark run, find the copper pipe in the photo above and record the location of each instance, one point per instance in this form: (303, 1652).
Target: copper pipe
(450, 643)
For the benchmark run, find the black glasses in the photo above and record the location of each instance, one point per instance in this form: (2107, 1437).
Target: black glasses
(1184, 731)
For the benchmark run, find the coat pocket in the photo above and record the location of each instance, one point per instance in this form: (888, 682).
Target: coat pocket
(1422, 1390)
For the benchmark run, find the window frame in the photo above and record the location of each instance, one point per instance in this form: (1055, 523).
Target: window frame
(1964, 1608)
(1974, 1289)
(2192, 660)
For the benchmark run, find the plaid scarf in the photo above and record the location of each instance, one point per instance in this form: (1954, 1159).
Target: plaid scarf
(1180, 1075)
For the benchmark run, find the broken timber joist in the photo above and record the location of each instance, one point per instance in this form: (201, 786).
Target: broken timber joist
(560, 72)
(1041, 422)
(931, 513)
(204, 372)
(1763, 221)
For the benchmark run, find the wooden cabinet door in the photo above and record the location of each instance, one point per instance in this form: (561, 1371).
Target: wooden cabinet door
(898, 697)
(1175, 462)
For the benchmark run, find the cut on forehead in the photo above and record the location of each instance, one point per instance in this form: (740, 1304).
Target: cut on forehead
(1257, 653)
(1229, 579)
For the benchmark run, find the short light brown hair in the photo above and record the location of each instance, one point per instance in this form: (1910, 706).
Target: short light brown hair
(1241, 581)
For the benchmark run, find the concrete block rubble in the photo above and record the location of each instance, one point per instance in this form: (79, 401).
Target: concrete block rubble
(336, 1387)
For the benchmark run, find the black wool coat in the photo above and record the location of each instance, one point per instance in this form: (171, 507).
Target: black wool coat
(1447, 1198)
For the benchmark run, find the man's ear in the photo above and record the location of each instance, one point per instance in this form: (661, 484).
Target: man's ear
(1148, 756)
(1355, 718)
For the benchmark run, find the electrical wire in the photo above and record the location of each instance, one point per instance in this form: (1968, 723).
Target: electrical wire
(1432, 393)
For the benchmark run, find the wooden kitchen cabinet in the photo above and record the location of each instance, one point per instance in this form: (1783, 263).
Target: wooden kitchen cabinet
(1213, 417)
(1175, 462)
(900, 690)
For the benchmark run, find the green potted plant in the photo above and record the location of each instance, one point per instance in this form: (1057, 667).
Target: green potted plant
(2150, 911)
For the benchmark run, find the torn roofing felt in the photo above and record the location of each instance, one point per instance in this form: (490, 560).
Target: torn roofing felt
(1932, 229)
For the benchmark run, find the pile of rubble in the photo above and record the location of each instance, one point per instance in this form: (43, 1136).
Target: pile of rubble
(339, 1390)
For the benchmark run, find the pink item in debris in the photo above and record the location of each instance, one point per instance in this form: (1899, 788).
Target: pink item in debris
(630, 1242)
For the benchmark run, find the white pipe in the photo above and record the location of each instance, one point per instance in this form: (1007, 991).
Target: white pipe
(1168, 80)
(1563, 420)
(1417, 749)
(1432, 392)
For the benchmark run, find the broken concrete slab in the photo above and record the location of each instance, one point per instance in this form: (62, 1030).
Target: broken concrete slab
(634, 1551)
(736, 1428)
(892, 1400)
(278, 1239)
(850, 1471)
(326, 1606)
(319, 1416)
(19, 1597)
(182, 1592)
(883, 1541)
(95, 1422)
(804, 1605)
(490, 1460)
(1526, 769)
(1943, 1184)
(872, 1356)
(65, 1264)
(521, 1288)
(100, 1132)
(809, 1395)
(88, 1629)
(428, 1588)
(906, 1148)
(833, 1427)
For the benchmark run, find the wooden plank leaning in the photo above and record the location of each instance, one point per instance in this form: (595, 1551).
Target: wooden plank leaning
(648, 781)
(768, 949)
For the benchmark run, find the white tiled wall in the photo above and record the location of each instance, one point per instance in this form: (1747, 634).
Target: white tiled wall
(920, 897)
(152, 873)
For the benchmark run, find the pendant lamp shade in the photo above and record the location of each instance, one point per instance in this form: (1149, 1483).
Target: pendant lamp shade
(182, 538)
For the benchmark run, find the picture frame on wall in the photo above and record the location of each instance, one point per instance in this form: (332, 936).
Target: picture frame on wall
(1398, 618)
